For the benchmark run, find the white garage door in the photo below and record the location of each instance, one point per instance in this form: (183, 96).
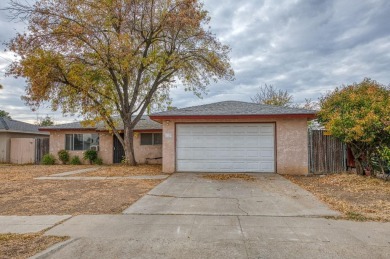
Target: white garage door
(230, 147)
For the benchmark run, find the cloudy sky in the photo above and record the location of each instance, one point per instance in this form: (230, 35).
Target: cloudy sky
(306, 47)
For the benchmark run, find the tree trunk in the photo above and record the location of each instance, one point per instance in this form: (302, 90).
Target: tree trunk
(129, 146)
(358, 161)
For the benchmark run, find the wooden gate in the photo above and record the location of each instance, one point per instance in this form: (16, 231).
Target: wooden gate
(119, 152)
(41, 148)
(326, 153)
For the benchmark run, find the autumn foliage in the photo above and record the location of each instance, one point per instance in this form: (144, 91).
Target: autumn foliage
(105, 58)
(359, 115)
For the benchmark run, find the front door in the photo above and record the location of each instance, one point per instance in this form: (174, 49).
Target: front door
(119, 152)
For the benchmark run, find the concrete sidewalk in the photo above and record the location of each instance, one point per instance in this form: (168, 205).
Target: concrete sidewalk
(195, 236)
(28, 224)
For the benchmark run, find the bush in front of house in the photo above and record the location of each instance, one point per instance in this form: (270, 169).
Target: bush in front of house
(75, 160)
(63, 155)
(90, 155)
(98, 161)
(48, 159)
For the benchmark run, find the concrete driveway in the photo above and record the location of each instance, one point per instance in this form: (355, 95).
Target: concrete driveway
(191, 194)
(188, 216)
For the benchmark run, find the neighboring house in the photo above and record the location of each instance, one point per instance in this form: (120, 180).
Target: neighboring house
(77, 138)
(234, 136)
(228, 136)
(15, 129)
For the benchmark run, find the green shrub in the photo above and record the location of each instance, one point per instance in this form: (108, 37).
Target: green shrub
(75, 161)
(98, 161)
(63, 155)
(90, 155)
(48, 159)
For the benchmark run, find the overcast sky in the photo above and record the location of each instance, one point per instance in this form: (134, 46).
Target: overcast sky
(306, 47)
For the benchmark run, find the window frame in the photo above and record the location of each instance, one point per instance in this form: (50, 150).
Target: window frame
(71, 137)
(153, 138)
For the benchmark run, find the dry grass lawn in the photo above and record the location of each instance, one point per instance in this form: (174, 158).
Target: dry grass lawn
(122, 171)
(25, 245)
(20, 194)
(357, 197)
(224, 177)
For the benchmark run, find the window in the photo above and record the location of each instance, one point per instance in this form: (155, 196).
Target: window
(151, 138)
(81, 141)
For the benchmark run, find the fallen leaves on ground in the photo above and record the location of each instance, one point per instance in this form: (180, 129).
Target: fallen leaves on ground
(357, 197)
(21, 194)
(22, 172)
(25, 245)
(225, 176)
(123, 170)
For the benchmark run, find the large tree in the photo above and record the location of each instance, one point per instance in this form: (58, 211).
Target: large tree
(359, 115)
(114, 57)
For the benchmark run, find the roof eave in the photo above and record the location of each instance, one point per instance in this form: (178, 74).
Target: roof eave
(25, 132)
(160, 118)
(66, 129)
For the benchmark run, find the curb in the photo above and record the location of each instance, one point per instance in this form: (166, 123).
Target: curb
(54, 248)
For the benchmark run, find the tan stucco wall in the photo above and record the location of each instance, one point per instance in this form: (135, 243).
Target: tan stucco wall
(146, 153)
(291, 143)
(5, 143)
(57, 142)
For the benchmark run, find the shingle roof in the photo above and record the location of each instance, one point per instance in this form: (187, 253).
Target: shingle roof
(144, 124)
(234, 108)
(10, 125)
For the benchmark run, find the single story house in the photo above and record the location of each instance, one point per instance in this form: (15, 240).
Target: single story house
(76, 138)
(11, 129)
(229, 136)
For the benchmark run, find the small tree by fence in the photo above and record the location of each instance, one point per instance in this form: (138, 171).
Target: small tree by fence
(326, 153)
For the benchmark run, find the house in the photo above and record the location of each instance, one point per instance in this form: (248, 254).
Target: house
(12, 129)
(228, 136)
(234, 136)
(76, 138)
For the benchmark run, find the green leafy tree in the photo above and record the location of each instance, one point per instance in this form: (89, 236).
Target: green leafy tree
(5, 114)
(359, 115)
(103, 58)
(47, 121)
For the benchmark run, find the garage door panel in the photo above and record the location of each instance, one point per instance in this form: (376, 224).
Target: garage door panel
(225, 147)
(225, 141)
(223, 154)
(227, 166)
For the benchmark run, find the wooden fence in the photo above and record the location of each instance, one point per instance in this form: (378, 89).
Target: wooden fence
(28, 150)
(326, 153)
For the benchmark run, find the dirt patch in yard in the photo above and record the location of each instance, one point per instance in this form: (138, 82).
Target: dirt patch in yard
(224, 177)
(122, 171)
(25, 245)
(357, 197)
(21, 194)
